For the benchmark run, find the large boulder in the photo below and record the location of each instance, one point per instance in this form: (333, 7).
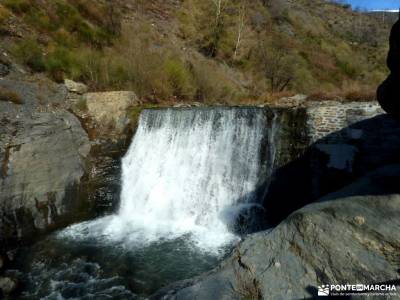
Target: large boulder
(42, 164)
(57, 165)
(110, 110)
(106, 118)
(75, 87)
(351, 237)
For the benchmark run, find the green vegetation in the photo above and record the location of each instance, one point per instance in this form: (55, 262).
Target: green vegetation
(29, 53)
(4, 14)
(64, 29)
(211, 51)
(81, 105)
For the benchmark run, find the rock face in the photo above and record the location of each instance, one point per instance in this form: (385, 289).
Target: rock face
(75, 87)
(347, 238)
(358, 145)
(389, 91)
(53, 169)
(110, 130)
(111, 109)
(42, 164)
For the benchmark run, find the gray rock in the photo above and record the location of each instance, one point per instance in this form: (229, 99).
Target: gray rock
(4, 69)
(42, 163)
(75, 87)
(110, 110)
(50, 173)
(35, 92)
(353, 239)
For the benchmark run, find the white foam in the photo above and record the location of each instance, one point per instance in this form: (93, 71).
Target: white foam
(185, 173)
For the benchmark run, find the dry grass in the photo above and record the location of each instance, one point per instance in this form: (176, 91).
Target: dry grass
(88, 42)
(10, 96)
(324, 96)
(357, 95)
(4, 14)
(360, 96)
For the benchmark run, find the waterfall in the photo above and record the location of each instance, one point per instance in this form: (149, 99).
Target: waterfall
(189, 172)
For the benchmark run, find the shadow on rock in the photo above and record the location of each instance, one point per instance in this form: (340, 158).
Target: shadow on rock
(389, 92)
(334, 162)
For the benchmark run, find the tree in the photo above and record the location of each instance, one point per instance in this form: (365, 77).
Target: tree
(277, 65)
(277, 8)
(241, 26)
(218, 27)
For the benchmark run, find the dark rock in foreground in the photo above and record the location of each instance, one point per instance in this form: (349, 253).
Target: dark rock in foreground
(389, 91)
(352, 238)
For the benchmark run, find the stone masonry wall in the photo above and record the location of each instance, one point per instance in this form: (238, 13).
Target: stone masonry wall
(325, 118)
(348, 140)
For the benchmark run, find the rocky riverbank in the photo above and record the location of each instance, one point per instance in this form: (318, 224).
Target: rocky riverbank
(60, 151)
(347, 237)
(59, 161)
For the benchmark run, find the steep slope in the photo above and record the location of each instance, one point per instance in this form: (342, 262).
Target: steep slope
(210, 51)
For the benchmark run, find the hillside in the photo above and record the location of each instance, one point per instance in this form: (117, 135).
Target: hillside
(213, 51)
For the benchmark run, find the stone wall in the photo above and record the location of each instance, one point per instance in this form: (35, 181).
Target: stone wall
(347, 132)
(343, 142)
(327, 117)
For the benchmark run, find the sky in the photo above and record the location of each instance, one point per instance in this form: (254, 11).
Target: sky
(375, 4)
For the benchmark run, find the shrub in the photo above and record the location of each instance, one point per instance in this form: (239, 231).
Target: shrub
(347, 68)
(10, 96)
(29, 53)
(212, 83)
(81, 104)
(179, 78)
(323, 96)
(64, 38)
(39, 19)
(4, 14)
(18, 6)
(361, 95)
(58, 63)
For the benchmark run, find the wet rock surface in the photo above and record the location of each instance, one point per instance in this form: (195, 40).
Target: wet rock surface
(346, 239)
(43, 162)
(52, 172)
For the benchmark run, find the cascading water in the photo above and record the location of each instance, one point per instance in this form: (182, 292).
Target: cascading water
(187, 178)
(189, 171)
